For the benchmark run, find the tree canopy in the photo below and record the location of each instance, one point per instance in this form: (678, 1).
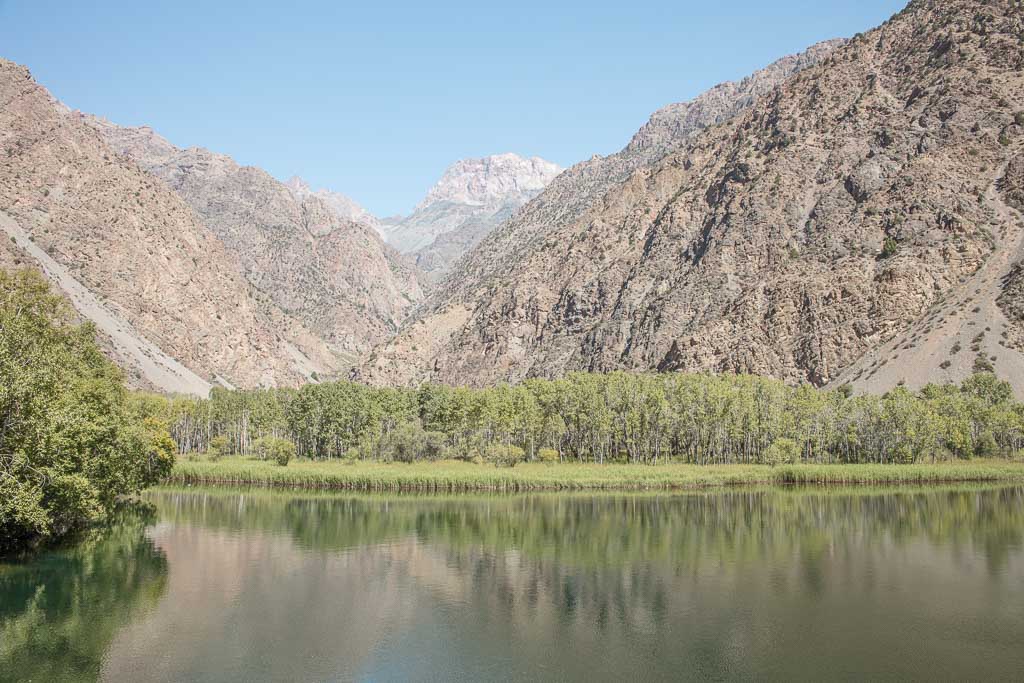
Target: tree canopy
(72, 439)
(620, 417)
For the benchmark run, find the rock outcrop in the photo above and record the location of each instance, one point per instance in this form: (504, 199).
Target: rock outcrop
(342, 205)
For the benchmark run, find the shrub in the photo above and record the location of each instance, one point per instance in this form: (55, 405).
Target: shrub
(548, 456)
(985, 446)
(889, 247)
(219, 447)
(284, 455)
(504, 456)
(409, 442)
(274, 448)
(782, 451)
(982, 364)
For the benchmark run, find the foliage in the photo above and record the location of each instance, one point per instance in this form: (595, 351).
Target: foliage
(219, 447)
(548, 455)
(504, 455)
(71, 439)
(783, 451)
(615, 417)
(274, 448)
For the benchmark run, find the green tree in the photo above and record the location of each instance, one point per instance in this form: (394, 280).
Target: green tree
(70, 442)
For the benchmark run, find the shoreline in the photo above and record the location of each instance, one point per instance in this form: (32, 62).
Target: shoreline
(462, 477)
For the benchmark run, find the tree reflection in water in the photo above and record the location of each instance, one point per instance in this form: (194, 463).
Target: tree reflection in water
(801, 583)
(60, 611)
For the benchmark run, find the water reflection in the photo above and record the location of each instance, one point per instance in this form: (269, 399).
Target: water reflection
(792, 584)
(60, 612)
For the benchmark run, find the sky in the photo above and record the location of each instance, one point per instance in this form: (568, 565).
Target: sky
(375, 98)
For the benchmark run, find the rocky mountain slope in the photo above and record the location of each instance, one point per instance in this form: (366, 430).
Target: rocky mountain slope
(170, 302)
(302, 251)
(472, 198)
(342, 205)
(862, 199)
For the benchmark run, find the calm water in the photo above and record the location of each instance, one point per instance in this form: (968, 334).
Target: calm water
(776, 584)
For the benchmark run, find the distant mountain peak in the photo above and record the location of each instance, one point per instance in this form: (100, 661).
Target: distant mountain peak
(491, 180)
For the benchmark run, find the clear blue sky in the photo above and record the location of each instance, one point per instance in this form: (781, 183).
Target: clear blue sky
(376, 98)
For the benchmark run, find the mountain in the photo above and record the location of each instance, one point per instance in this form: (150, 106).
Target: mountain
(342, 205)
(305, 252)
(169, 301)
(855, 221)
(471, 199)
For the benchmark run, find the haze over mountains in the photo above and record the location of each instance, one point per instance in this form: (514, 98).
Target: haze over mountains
(848, 214)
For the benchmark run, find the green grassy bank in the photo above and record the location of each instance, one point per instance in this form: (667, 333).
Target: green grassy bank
(454, 476)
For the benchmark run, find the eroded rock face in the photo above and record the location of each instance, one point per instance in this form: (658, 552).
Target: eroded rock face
(134, 244)
(471, 199)
(303, 251)
(342, 205)
(757, 244)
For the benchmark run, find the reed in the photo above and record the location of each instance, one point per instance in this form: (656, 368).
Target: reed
(456, 476)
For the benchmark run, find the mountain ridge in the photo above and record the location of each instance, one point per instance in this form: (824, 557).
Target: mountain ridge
(300, 249)
(761, 244)
(158, 274)
(470, 199)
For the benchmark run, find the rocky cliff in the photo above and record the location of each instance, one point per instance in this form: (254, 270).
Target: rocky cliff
(854, 216)
(169, 300)
(342, 205)
(302, 251)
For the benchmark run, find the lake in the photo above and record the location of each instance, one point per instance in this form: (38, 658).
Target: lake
(783, 584)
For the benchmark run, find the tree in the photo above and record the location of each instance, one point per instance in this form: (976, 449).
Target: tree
(70, 442)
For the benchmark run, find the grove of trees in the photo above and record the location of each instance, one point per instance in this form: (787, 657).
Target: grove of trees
(616, 417)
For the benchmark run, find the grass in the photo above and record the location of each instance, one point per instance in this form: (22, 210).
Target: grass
(457, 476)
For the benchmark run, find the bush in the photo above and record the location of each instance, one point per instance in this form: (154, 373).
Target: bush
(219, 447)
(548, 456)
(501, 455)
(409, 442)
(889, 247)
(782, 451)
(982, 365)
(274, 448)
(986, 446)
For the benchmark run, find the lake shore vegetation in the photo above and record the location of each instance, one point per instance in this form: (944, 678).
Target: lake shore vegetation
(72, 443)
(614, 418)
